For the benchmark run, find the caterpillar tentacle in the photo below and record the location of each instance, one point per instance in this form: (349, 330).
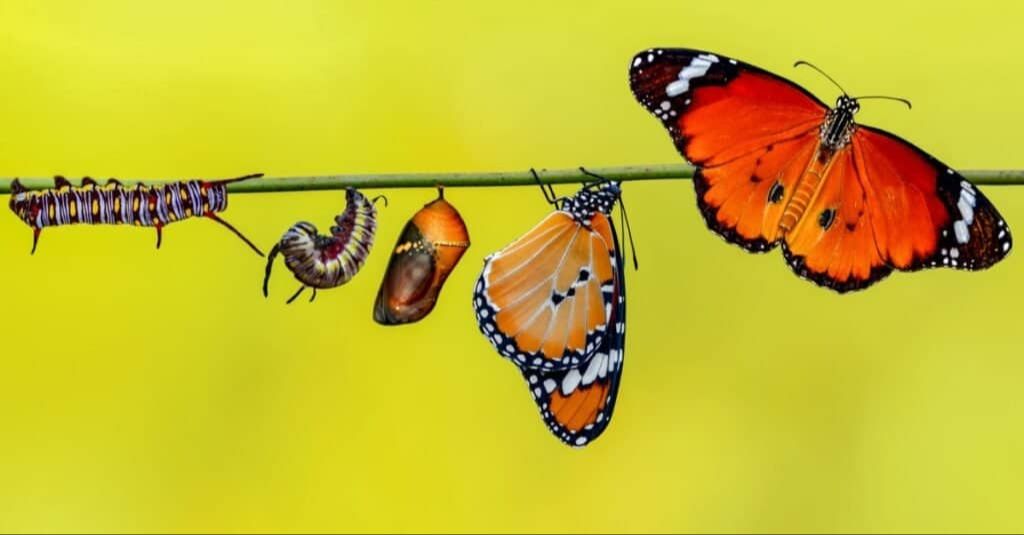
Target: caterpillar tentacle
(327, 261)
(155, 206)
(270, 265)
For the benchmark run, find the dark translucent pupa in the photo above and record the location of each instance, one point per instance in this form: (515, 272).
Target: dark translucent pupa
(427, 251)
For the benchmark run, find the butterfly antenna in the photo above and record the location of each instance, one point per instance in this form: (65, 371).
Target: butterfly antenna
(886, 97)
(629, 232)
(548, 191)
(823, 73)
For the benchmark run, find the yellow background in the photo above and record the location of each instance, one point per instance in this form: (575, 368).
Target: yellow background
(158, 390)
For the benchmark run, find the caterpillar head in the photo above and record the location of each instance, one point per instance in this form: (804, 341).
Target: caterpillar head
(21, 202)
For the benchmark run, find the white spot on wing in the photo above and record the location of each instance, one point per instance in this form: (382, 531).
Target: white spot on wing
(962, 234)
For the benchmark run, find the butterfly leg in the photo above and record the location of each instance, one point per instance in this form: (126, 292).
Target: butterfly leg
(593, 175)
(546, 189)
(296, 295)
(270, 266)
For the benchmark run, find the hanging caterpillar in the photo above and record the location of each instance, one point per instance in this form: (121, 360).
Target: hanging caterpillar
(155, 206)
(321, 262)
(427, 251)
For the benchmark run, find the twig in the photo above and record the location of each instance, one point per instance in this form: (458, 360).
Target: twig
(486, 179)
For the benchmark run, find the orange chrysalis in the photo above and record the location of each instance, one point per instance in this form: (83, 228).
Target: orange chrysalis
(427, 251)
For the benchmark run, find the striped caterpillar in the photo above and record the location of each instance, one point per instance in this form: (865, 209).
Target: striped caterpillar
(321, 262)
(113, 204)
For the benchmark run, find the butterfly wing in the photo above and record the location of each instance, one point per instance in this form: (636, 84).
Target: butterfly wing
(545, 301)
(577, 402)
(750, 133)
(833, 242)
(886, 204)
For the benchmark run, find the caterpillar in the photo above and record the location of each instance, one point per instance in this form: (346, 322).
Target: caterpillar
(321, 262)
(155, 206)
(428, 249)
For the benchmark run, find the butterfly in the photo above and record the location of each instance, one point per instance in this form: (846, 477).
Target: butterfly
(775, 166)
(554, 303)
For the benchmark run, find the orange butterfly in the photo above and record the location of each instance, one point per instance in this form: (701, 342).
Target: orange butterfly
(848, 203)
(554, 303)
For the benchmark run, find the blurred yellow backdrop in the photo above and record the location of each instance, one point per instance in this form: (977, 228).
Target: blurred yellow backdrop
(157, 390)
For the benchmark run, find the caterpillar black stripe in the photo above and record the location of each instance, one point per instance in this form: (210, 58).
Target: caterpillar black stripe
(114, 204)
(321, 262)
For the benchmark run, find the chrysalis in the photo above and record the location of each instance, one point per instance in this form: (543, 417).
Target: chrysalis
(427, 251)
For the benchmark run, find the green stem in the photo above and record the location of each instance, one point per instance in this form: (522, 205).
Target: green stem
(487, 179)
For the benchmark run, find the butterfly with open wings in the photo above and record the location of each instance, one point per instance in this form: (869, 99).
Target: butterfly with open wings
(554, 303)
(848, 203)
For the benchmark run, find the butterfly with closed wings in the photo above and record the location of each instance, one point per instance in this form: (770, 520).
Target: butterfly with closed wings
(554, 303)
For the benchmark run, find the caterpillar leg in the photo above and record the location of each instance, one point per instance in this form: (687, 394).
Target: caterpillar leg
(297, 294)
(270, 266)
(312, 297)
(214, 217)
(35, 238)
(159, 235)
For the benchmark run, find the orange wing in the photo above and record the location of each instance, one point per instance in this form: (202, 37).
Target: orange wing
(577, 402)
(545, 300)
(833, 243)
(886, 204)
(925, 214)
(749, 132)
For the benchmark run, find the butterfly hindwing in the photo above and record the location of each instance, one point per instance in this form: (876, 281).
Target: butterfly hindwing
(833, 243)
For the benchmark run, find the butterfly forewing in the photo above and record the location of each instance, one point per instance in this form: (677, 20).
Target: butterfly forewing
(544, 301)
(924, 213)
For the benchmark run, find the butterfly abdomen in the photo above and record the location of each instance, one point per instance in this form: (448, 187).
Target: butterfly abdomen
(805, 192)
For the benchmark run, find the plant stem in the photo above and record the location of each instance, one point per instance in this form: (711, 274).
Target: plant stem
(486, 179)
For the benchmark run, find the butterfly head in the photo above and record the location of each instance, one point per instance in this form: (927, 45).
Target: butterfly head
(837, 130)
(847, 104)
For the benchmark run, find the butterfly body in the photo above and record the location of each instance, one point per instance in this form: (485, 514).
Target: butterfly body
(847, 203)
(553, 303)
